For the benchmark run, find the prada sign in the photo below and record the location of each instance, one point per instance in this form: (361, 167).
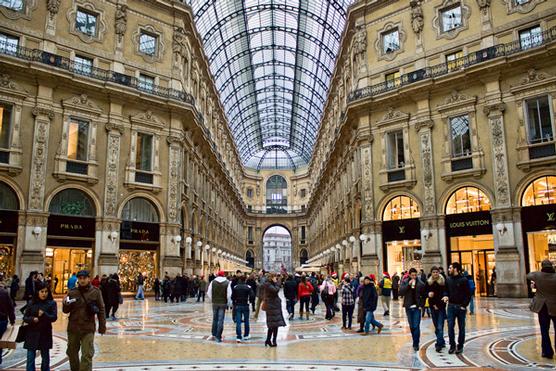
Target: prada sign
(8, 221)
(538, 218)
(71, 226)
(399, 230)
(468, 224)
(140, 232)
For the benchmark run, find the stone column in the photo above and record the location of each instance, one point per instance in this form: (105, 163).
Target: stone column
(429, 226)
(108, 239)
(32, 256)
(510, 280)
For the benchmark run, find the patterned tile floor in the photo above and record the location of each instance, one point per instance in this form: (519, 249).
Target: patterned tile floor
(151, 335)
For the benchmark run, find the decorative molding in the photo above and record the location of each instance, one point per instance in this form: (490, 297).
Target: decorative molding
(379, 48)
(82, 104)
(456, 100)
(147, 118)
(53, 6)
(500, 165)
(417, 18)
(437, 20)
(513, 7)
(120, 24)
(10, 87)
(160, 45)
(428, 172)
(359, 53)
(26, 13)
(40, 155)
(112, 170)
(114, 127)
(534, 76)
(392, 116)
(101, 24)
(173, 184)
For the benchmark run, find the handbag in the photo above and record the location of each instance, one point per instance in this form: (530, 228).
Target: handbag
(21, 333)
(264, 307)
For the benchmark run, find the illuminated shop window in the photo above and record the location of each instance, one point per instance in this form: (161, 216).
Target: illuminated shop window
(401, 207)
(467, 200)
(541, 191)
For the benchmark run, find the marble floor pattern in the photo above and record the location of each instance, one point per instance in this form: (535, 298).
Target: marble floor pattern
(150, 335)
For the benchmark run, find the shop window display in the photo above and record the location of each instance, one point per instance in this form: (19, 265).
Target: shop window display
(467, 200)
(134, 262)
(401, 207)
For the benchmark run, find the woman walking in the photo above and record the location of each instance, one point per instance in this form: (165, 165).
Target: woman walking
(113, 295)
(39, 314)
(348, 303)
(273, 307)
(328, 292)
(304, 291)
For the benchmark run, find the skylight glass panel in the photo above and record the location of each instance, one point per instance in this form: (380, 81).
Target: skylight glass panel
(272, 66)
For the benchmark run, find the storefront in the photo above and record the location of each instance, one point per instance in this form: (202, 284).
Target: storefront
(9, 206)
(538, 222)
(70, 236)
(401, 241)
(469, 237)
(139, 243)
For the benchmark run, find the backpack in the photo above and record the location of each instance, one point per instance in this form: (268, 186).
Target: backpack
(472, 286)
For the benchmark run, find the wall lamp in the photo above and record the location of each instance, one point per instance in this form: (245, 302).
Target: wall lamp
(427, 234)
(112, 236)
(37, 232)
(501, 228)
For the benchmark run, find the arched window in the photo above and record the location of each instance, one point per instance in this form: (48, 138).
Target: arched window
(467, 200)
(72, 202)
(276, 195)
(303, 256)
(541, 191)
(250, 257)
(140, 209)
(401, 207)
(8, 198)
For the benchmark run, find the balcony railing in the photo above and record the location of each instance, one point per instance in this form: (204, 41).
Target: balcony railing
(64, 63)
(483, 55)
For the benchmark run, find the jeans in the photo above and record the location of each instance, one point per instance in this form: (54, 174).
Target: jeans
(347, 315)
(438, 319)
(472, 304)
(77, 340)
(218, 313)
(455, 312)
(544, 322)
(140, 292)
(242, 313)
(370, 319)
(304, 302)
(414, 320)
(45, 362)
(290, 306)
(3, 327)
(200, 294)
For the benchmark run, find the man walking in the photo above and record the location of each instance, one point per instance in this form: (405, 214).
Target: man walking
(242, 294)
(369, 297)
(290, 293)
(140, 291)
(202, 289)
(544, 303)
(220, 293)
(435, 289)
(83, 303)
(412, 289)
(457, 298)
(260, 293)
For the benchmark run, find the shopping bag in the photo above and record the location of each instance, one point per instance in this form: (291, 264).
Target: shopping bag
(8, 339)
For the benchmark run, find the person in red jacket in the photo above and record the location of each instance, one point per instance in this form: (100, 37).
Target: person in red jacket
(304, 291)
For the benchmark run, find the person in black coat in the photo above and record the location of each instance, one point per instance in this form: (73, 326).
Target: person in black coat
(413, 291)
(290, 293)
(156, 287)
(113, 295)
(273, 307)
(252, 282)
(39, 314)
(457, 299)
(435, 289)
(30, 286)
(14, 288)
(166, 288)
(369, 296)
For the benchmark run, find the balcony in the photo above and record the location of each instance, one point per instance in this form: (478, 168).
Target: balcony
(472, 59)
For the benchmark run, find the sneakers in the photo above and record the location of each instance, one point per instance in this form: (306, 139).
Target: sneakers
(238, 341)
(438, 349)
(218, 340)
(246, 337)
(114, 318)
(416, 349)
(364, 333)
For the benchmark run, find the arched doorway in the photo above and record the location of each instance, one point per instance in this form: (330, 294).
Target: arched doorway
(276, 195)
(469, 237)
(9, 206)
(401, 240)
(303, 256)
(250, 257)
(139, 243)
(277, 249)
(538, 221)
(70, 242)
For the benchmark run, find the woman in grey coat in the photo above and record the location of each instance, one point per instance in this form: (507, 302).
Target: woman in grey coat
(273, 308)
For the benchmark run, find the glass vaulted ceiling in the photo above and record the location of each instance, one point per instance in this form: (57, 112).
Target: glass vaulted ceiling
(272, 62)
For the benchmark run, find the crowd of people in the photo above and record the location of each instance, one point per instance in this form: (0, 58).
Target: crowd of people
(445, 297)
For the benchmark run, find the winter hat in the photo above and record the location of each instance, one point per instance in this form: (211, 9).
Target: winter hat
(221, 274)
(372, 277)
(385, 274)
(334, 274)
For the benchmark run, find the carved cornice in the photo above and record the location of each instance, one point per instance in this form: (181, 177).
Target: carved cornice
(424, 124)
(493, 110)
(82, 103)
(42, 111)
(392, 116)
(10, 87)
(110, 126)
(147, 118)
(456, 100)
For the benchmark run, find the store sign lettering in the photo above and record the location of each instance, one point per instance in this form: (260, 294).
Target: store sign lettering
(471, 223)
(140, 231)
(73, 227)
(551, 217)
(402, 229)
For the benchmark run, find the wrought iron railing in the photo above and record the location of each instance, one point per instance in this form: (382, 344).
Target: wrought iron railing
(496, 51)
(58, 61)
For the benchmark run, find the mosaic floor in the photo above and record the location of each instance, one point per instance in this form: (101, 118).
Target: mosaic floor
(151, 335)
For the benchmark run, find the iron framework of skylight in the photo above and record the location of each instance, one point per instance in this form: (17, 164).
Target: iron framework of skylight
(272, 62)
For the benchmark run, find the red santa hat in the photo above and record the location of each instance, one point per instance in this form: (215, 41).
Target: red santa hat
(221, 274)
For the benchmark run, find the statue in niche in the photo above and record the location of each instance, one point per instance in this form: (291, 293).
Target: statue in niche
(359, 49)
(180, 44)
(121, 21)
(417, 20)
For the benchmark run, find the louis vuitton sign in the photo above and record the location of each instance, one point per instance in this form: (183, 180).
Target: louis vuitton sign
(399, 230)
(538, 218)
(468, 224)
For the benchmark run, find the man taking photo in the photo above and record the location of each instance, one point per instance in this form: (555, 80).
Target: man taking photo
(83, 303)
